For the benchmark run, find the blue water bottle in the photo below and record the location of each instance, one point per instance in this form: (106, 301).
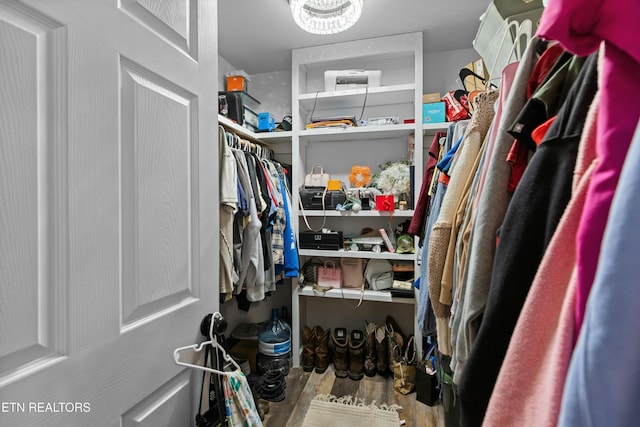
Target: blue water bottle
(274, 345)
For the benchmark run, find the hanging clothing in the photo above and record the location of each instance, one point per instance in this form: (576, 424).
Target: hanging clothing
(427, 312)
(239, 403)
(492, 205)
(441, 233)
(580, 28)
(251, 273)
(530, 222)
(603, 384)
(419, 219)
(531, 380)
(228, 208)
(291, 263)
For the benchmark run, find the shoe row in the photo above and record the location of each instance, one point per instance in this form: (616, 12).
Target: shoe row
(355, 354)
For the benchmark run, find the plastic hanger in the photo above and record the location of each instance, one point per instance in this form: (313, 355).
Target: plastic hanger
(197, 348)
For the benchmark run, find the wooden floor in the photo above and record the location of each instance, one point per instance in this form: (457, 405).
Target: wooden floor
(302, 387)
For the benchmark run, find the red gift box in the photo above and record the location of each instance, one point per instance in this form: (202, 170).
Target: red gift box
(385, 202)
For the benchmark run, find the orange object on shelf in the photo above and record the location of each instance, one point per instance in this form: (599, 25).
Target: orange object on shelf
(236, 84)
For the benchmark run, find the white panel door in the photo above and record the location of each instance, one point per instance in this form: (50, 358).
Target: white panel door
(108, 208)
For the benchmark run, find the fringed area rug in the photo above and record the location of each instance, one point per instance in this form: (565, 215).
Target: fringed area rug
(327, 410)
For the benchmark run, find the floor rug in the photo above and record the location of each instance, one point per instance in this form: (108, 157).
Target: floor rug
(326, 410)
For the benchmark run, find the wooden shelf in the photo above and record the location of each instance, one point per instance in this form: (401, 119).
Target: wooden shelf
(351, 214)
(354, 294)
(350, 98)
(355, 254)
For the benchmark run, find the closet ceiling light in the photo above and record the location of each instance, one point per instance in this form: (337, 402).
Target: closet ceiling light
(325, 16)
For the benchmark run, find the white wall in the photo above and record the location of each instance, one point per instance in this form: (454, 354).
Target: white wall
(223, 67)
(273, 90)
(441, 69)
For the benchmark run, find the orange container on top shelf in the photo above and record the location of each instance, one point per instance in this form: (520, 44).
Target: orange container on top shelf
(237, 81)
(236, 84)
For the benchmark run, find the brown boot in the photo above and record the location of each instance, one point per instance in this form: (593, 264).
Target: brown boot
(370, 349)
(308, 348)
(356, 355)
(395, 341)
(322, 349)
(382, 353)
(341, 352)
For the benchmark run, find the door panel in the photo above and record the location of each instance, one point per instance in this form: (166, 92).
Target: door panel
(32, 323)
(108, 207)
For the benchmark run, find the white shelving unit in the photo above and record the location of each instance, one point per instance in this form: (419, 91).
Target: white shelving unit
(400, 60)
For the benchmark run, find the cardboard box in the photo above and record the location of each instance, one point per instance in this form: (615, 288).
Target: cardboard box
(475, 83)
(430, 98)
(433, 113)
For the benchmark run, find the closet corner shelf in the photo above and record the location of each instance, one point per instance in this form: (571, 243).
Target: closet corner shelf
(432, 128)
(351, 214)
(354, 294)
(233, 127)
(277, 137)
(350, 98)
(355, 254)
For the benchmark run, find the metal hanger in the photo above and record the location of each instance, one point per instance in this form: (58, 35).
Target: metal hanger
(197, 348)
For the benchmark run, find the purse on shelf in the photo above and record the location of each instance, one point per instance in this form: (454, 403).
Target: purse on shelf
(352, 272)
(317, 178)
(309, 272)
(329, 276)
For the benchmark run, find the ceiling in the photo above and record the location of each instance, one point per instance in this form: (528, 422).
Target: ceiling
(257, 35)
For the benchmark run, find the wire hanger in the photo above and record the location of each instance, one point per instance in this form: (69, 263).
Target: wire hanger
(199, 347)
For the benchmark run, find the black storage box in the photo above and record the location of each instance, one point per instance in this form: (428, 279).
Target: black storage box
(331, 241)
(311, 199)
(240, 107)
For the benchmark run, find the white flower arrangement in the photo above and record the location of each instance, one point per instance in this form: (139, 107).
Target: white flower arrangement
(394, 179)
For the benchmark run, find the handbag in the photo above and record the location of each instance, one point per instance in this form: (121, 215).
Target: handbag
(316, 179)
(352, 272)
(427, 387)
(379, 274)
(211, 393)
(309, 272)
(404, 369)
(329, 276)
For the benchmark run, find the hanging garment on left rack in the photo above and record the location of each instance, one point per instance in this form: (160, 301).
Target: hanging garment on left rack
(251, 271)
(291, 263)
(228, 208)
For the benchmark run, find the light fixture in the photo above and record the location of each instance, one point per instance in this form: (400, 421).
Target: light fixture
(325, 16)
